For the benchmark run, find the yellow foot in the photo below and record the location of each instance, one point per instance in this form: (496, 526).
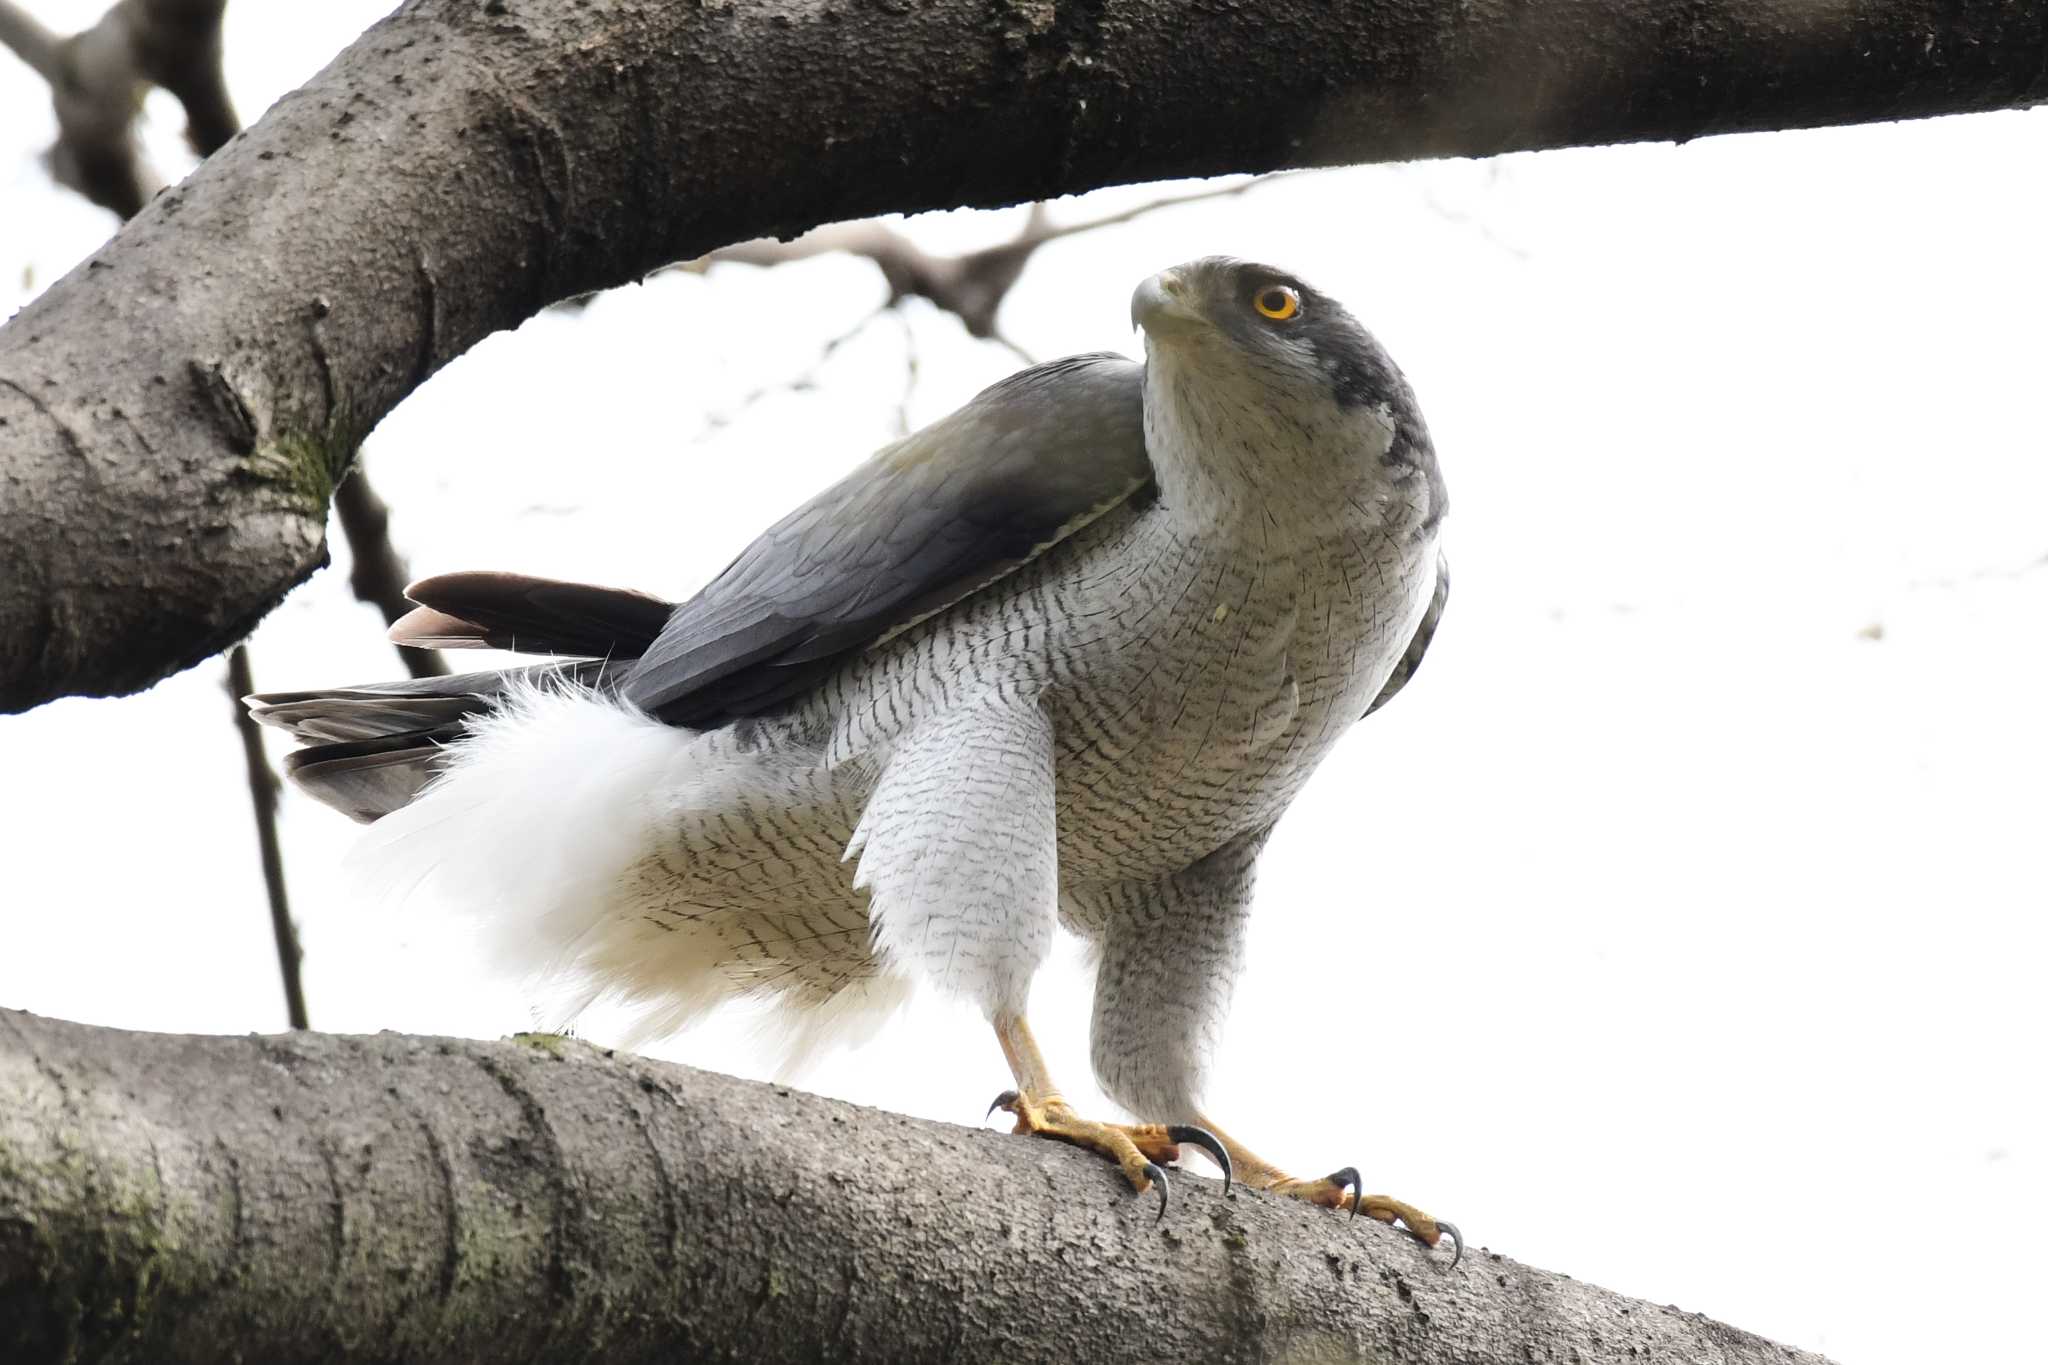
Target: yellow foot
(1141, 1150)
(1341, 1190)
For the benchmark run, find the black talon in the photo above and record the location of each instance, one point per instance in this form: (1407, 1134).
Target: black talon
(1003, 1101)
(1158, 1178)
(1457, 1244)
(1206, 1140)
(1347, 1179)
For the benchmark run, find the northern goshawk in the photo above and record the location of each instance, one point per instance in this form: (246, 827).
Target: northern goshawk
(1063, 656)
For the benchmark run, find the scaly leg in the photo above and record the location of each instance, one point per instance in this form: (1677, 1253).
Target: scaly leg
(1140, 1149)
(1338, 1190)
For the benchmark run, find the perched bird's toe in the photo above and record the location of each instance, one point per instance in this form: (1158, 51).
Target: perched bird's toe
(1347, 1184)
(1207, 1141)
(1157, 1176)
(1337, 1190)
(1341, 1189)
(1450, 1230)
(1141, 1151)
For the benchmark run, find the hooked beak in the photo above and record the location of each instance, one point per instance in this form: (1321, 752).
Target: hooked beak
(1162, 307)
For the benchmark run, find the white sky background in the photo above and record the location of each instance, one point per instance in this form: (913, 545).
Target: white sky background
(1673, 930)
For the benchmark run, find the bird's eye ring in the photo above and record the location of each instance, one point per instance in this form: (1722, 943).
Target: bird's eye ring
(1278, 302)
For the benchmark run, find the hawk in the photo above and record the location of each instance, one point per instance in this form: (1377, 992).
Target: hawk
(1064, 656)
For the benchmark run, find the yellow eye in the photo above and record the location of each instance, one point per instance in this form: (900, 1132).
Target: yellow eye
(1277, 302)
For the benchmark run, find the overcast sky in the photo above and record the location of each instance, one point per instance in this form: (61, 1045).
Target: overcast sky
(1684, 918)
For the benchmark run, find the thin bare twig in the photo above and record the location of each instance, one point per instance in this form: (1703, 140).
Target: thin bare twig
(803, 380)
(910, 369)
(26, 38)
(98, 76)
(263, 796)
(178, 46)
(1023, 356)
(379, 574)
(1172, 201)
(971, 286)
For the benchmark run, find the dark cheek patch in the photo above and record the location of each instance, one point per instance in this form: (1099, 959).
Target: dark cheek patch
(1359, 372)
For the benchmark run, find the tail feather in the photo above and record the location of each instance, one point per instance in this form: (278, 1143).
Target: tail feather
(531, 616)
(543, 798)
(368, 779)
(427, 628)
(372, 748)
(348, 714)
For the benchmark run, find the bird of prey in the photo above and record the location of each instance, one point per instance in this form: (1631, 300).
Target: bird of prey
(1064, 656)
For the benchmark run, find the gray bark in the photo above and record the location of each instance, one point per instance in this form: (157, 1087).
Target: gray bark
(174, 414)
(319, 1198)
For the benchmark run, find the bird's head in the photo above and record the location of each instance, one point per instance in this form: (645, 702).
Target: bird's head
(1256, 369)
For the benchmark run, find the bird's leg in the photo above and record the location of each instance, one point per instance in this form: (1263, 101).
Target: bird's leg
(1140, 1149)
(1337, 1190)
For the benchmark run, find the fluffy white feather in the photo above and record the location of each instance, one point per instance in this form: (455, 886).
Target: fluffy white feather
(560, 829)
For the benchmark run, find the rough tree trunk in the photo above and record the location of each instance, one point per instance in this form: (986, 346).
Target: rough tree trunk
(174, 413)
(317, 1198)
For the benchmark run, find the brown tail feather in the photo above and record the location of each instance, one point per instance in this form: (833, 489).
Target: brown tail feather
(530, 615)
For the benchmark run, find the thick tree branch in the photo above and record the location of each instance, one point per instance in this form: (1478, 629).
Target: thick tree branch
(97, 80)
(319, 1198)
(197, 387)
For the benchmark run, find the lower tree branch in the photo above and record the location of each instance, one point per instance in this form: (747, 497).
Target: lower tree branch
(319, 1198)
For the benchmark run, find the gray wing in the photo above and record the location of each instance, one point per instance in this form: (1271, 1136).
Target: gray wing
(926, 522)
(1418, 643)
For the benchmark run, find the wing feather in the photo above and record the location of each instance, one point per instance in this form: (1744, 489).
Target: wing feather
(1418, 643)
(927, 521)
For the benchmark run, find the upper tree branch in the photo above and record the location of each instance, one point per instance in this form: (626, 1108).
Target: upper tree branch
(174, 413)
(97, 79)
(316, 1198)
